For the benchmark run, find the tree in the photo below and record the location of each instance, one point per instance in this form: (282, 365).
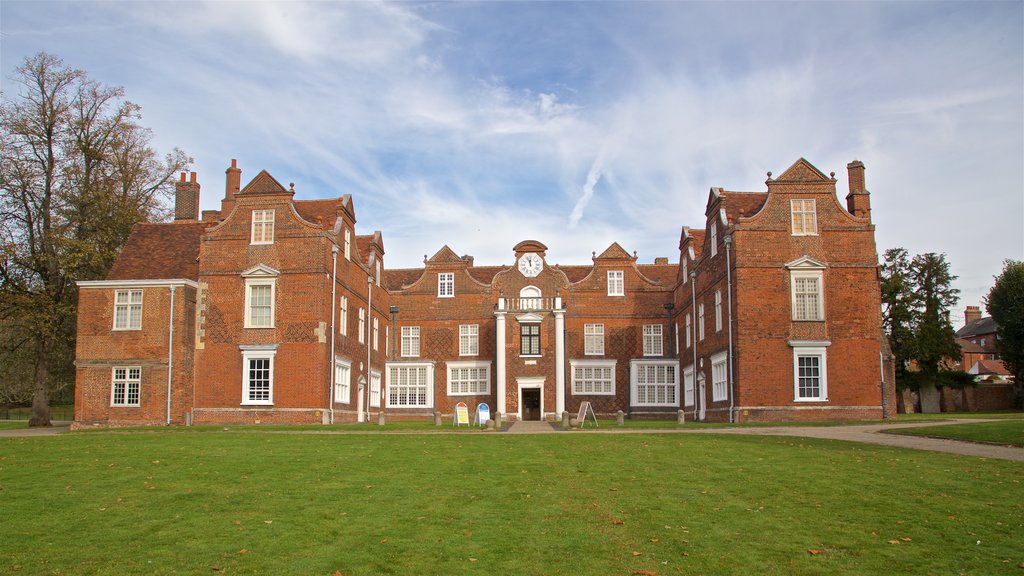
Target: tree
(1005, 302)
(76, 173)
(917, 295)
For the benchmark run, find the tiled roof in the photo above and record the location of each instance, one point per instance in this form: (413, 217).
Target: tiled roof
(989, 367)
(322, 212)
(159, 252)
(576, 273)
(743, 204)
(402, 277)
(697, 242)
(663, 273)
(978, 327)
(968, 347)
(485, 274)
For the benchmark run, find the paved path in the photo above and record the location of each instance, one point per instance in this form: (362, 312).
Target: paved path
(57, 428)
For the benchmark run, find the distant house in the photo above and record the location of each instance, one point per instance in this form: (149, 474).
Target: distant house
(994, 390)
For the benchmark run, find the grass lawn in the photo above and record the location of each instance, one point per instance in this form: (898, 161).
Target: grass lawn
(1009, 432)
(1004, 414)
(261, 502)
(13, 424)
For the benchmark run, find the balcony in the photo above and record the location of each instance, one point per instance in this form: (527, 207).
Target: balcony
(534, 304)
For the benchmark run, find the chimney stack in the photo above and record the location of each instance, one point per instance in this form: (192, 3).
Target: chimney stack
(233, 182)
(186, 199)
(858, 201)
(971, 314)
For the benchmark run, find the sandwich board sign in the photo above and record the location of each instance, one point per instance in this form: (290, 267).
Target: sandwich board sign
(585, 409)
(461, 414)
(483, 414)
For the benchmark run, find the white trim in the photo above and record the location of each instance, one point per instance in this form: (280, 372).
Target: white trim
(818, 314)
(445, 284)
(616, 283)
(803, 220)
(395, 388)
(530, 383)
(136, 283)
(713, 239)
(254, 352)
(657, 341)
(688, 383)
(720, 387)
(260, 281)
(472, 339)
(128, 381)
(718, 310)
(596, 335)
(339, 385)
(469, 365)
(673, 388)
(263, 229)
(410, 334)
(584, 364)
(128, 305)
(821, 353)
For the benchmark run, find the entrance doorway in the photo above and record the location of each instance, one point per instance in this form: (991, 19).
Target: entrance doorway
(530, 403)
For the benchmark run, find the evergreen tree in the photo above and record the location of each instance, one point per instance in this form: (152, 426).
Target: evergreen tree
(1005, 302)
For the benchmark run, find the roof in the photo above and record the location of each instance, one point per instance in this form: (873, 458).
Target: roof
(485, 274)
(978, 327)
(663, 273)
(989, 367)
(742, 204)
(320, 212)
(968, 347)
(576, 273)
(160, 251)
(399, 278)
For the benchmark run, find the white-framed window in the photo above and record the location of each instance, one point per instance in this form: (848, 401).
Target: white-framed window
(469, 340)
(593, 377)
(615, 283)
(700, 322)
(686, 274)
(259, 302)
(125, 385)
(262, 227)
(807, 300)
(342, 381)
(719, 377)
(469, 378)
(810, 382)
(675, 326)
(653, 340)
(689, 332)
(410, 385)
(688, 386)
(805, 218)
(714, 238)
(593, 339)
(718, 310)
(128, 310)
(376, 332)
(446, 285)
(530, 298)
(654, 382)
(348, 244)
(410, 341)
(258, 376)
(362, 325)
(343, 316)
(374, 389)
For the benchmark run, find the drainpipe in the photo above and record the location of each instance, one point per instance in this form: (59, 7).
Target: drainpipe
(693, 308)
(728, 284)
(885, 401)
(369, 332)
(170, 354)
(330, 361)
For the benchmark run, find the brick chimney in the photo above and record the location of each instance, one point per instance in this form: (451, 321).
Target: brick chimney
(971, 314)
(858, 201)
(233, 183)
(661, 260)
(186, 199)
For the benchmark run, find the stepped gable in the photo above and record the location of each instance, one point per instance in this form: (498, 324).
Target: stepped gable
(803, 171)
(264, 183)
(160, 252)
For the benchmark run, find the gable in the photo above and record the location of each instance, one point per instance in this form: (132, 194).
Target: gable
(802, 171)
(614, 252)
(264, 183)
(445, 256)
(805, 263)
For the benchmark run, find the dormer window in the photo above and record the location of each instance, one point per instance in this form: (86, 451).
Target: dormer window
(804, 216)
(262, 227)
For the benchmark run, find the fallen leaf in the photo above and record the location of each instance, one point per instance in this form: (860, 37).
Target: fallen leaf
(156, 461)
(654, 540)
(337, 573)
(814, 552)
(894, 541)
(384, 541)
(243, 551)
(636, 553)
(268, 521)
(467, 533)
(952, 517)
(905, 538)
(645, 573)
(472, 559)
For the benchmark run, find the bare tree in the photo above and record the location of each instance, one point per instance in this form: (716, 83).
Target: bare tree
(76, 173)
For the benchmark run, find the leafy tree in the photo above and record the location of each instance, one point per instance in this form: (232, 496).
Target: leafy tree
(917, 295)
(1005, 302)
(76, 173)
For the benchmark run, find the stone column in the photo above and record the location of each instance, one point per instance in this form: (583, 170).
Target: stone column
(499, 362)
(559, 358)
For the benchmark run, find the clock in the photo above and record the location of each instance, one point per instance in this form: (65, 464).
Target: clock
(530, 265)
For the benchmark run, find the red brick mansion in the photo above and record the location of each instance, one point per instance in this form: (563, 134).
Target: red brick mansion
(274, 309)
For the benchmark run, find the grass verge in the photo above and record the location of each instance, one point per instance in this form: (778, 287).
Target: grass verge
(1006, 432)
(245, 502)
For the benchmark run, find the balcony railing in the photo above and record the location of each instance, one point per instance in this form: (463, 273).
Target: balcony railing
(527, 304)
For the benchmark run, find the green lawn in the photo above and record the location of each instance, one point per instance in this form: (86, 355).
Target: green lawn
(1001, 415)
(263, 502)
(1010, 432)
(13, 424)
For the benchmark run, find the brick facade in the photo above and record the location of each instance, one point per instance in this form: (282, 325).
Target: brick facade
(266, 287)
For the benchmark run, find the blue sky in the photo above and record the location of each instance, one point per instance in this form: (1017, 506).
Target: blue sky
(478, 125)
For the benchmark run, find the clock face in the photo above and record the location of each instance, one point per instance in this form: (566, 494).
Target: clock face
(530, 265)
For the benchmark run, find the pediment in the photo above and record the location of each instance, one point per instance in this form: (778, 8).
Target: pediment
(614, 252)
(264, 183)
(805, 263)
(261, 271)
(803, 171)
(445, 256)
(530, 318)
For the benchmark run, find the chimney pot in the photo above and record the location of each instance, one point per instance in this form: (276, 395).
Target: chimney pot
(192, 178)
(183, 176)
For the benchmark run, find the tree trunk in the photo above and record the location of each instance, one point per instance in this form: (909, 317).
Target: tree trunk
(41, 390)
(930, 399)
